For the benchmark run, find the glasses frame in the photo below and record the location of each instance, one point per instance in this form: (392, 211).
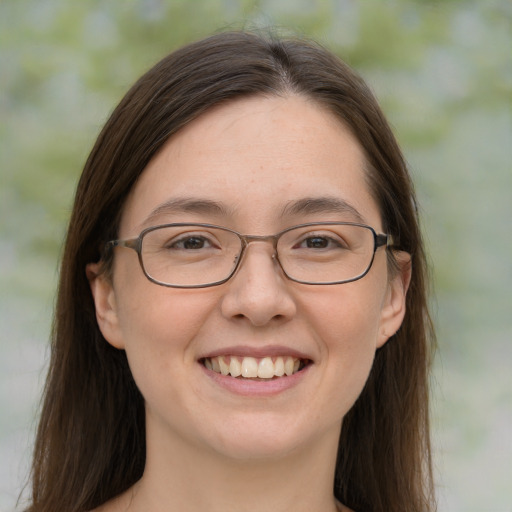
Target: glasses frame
(379, 240)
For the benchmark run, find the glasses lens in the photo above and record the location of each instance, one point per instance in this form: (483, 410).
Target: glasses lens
(328, 253)
(189, 255)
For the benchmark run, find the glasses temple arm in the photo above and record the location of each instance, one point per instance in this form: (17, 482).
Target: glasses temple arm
(385, 240)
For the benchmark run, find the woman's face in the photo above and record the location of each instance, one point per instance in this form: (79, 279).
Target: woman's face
(256, 166)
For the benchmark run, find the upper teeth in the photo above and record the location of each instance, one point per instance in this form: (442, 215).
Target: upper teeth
(250, 367)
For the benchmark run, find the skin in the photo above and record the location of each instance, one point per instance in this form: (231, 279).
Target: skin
(250, 453)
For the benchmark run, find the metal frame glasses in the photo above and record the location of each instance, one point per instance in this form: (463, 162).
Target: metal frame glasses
(183, 252)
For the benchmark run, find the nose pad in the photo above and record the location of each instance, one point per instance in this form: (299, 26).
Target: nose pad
(238, 261)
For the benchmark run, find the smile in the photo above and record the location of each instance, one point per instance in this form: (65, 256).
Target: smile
(252, 367)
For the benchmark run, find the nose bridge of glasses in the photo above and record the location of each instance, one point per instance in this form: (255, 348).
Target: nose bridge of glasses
(249, 239)
(265, 239)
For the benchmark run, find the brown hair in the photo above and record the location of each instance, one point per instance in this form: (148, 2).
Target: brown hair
(90, 442)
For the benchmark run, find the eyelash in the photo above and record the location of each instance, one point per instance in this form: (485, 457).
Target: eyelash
(328, 239)
(173, 244)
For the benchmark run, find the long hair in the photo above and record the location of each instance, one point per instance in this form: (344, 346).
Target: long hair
(90, 444)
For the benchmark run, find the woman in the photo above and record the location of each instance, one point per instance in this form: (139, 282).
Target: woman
(270, 341)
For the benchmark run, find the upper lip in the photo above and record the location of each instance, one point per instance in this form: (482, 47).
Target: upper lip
(257, 352)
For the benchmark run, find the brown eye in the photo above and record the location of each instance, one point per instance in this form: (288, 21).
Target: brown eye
(190, 243)
(193, 243)
(317, 242)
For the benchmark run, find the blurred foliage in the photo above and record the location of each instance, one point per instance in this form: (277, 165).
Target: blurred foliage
(442, 70)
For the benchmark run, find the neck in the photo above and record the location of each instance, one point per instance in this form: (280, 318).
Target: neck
(193, 478)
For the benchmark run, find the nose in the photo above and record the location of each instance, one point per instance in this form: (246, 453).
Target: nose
(259, 291)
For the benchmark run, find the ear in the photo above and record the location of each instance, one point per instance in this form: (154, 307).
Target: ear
(105, 304)
(393, 308)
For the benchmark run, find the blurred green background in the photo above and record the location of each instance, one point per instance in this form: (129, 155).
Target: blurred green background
(443, 73)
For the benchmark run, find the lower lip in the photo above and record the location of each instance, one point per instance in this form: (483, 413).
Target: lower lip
(257, 388)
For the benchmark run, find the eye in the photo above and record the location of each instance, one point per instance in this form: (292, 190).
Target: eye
(319, 242)
(316, 242)
(190, 242)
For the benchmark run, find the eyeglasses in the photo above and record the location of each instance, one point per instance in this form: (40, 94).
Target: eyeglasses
(203, 255)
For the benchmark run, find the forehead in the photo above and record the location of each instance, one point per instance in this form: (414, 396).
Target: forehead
(254, 158)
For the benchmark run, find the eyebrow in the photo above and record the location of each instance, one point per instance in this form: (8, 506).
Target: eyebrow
(313, 205)
(304, 206)
(187, 205)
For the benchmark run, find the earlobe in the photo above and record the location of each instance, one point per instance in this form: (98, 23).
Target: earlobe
(394, 307)
(105, 304)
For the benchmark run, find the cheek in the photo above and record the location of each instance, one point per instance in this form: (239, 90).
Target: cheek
(152, 314)
(158, 324)
(350, 340)
(170, 319)
(347, 315)
(159, 329)
(346, 325)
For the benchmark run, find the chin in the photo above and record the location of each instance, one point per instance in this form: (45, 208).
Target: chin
(258, 449)
(261, 439)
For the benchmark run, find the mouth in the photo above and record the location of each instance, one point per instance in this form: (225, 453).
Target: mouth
(255, 368)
